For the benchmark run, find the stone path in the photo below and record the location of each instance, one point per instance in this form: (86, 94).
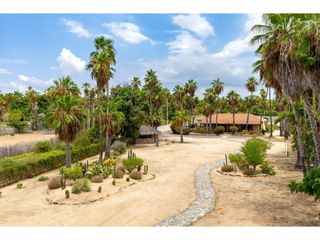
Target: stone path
(202, 205)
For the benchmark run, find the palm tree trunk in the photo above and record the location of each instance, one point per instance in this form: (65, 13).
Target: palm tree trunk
(68, 155)
(181, 132)
(270, 109)
(107, 152)
(100, 130)
(248, 112)
(206, 124)
(233, 116)
(315, 131)
(210, 126)
(300, 159)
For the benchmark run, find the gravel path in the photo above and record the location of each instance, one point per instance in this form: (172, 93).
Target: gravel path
(202, 205)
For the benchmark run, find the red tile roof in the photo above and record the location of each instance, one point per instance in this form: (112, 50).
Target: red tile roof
(227, 118)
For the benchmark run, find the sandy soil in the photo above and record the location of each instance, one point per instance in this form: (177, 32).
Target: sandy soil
(262, 201)
(143, 204)
(8, 140)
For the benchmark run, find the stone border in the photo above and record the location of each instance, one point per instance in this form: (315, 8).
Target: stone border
(231, 174)
(201, 206)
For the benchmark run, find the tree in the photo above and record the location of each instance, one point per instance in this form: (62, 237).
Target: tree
(181, 117)
(100, 64)
(136, 83)
(233, 99)
(66, 115)
(218, 89)
(211, 98)
(33, 96)
(263, 95)
(190, 88)
(251, 87)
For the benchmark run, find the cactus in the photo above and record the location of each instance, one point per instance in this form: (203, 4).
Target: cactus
(0, 194)
(63, 181)
(145, 169)
(114, 182)
(128, 179)
(99, 189)
(67, 194)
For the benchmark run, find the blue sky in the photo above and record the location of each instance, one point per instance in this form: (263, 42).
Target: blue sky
(36, 49)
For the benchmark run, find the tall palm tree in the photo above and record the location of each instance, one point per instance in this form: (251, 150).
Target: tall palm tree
(136, 83)
(66, 115)
(206, 110)
(218, 88)
(190, 88)
(251, 85)
(179, 94)
(86, 90)
(263, 95)
(211, 98)
(100, 65)
(182, 116)
(33, 97)
(62, 86)
(233, 99)
(151, 83)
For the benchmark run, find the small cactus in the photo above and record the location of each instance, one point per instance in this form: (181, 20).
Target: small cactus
(145, 169)
(128, 179)
(67, 194)
(63, 181)
(114, 182)
(0, 194)
(99, 189)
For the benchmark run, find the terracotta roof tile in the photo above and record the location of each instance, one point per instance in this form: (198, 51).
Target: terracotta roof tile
(227, 118)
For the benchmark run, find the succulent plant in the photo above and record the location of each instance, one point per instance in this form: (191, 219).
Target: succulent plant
(145, 169)
(99, 189)
(67, 194)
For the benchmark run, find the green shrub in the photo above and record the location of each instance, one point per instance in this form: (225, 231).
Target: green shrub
(239, 160)
(82, 140)
(119, 148)
(54, 182)
(227, 168)
(199, 129)
(310, 184)
(110, 162)
(74, 172)
(132, 163)
(85, 185)
(249, 171)
(136, 175)
(76, 188)
(255, 150)
(175, 128)
(219, 130)
(267, 169)
(95, 169)
(43, 178)
(233, 129)
(44, 146)
(15, 120)
(31, 164)
(19, 185)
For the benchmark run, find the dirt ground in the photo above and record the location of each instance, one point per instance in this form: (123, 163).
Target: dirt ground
(9, 140)
(239, 201)
(262, 201)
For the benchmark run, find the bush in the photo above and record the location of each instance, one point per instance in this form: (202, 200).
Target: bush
(233, 129)
(43, 178)
(55, 182)
(97, 179)
(31, 164)
(199, 129)
(219, 130)
(310, 184)
(175, 128)
(95, 169)
(19, 186)
(255, 150)
(76, 188)
(136, 175)
(227, 168)
(249, 171)
(44, 146)
(119, 148)
(239, 160)
(110, 162)
(15, 120)
(83, 139)
(132, 163)
(85, 185)
(267, 169)
(74, 172)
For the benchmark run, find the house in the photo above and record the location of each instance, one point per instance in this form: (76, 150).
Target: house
(226, 120)
(147, 135)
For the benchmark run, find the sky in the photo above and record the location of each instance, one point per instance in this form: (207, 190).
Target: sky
(36, 49)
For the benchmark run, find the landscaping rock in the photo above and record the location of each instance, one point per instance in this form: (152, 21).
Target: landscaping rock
(136, 175)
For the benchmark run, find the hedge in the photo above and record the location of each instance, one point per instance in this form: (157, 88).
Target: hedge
(28, 165)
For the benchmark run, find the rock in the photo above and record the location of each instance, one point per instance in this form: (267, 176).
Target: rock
(136, 175)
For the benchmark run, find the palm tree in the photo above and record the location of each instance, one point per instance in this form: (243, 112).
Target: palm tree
(179, 94)
(66, 115)
(181, 117)
(263, 95)
(251, 87)
(100, 64)
(64, 86)
(211, 98)
(218, 88)
(190, 88)
(206, 110)
(136, 83)
(86, 90)
(151, 83)
(233, 99)
(33, 97)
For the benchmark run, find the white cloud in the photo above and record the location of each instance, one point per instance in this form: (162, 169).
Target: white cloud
(12, 61)
(4, 71)
(127, 31)
(23, 77)
(185, 43)
(76, 28)
(194, 23)
(69, 63)
(252, 19)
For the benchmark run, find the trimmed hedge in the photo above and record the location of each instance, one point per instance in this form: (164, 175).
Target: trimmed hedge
(28, 165)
